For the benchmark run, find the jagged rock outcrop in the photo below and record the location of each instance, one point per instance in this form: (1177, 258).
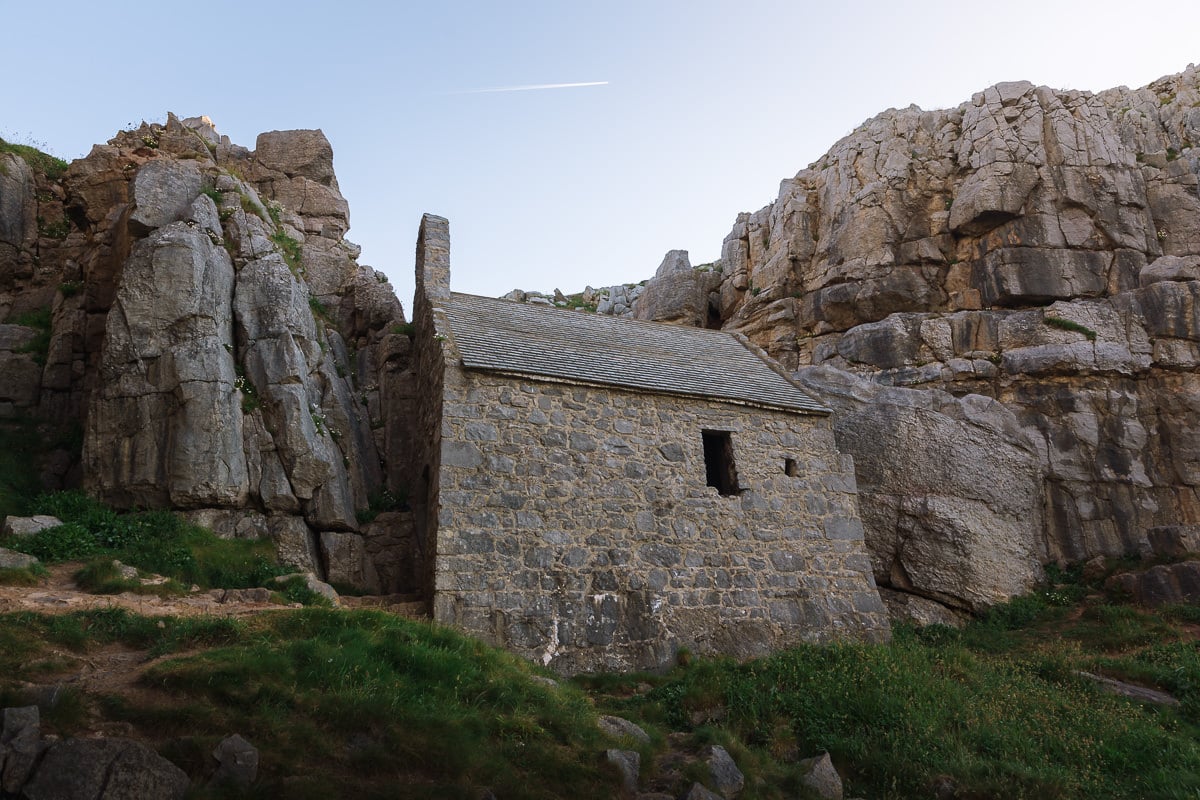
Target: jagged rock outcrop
(1037, 247)
(678, 293)
(199, 313)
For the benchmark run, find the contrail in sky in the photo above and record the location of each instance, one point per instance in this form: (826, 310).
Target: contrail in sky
(530, 88)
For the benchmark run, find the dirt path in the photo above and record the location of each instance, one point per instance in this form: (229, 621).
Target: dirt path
(58, 594)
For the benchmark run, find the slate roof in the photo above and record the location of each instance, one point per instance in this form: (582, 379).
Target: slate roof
(519, 338)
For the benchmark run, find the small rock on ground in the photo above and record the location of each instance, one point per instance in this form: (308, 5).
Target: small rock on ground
(238, 759)
(622, 728)
(724, 771)
(822, 778)
(629, 764)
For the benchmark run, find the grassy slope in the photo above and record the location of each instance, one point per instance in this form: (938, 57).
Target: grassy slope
(341, 703)
(363, 704)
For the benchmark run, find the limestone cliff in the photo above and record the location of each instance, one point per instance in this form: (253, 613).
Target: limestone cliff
(1023, 271)
(206, 323)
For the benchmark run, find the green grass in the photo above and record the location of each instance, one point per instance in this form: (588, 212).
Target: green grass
(357, 704)
(575, 301)
(103, 576)
(289, 248)
(366, 704)
(25, 635)
(403, 329)
(295, 590)
(251, 399)
(50, 166)
(214, 194)
(22, 576)
(21, 447)
(153, 541)
(997, 706)
(1070, 325)
(319, 309)
(41, 321)
(379, 502)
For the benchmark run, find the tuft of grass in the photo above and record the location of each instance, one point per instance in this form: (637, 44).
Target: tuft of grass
(295, 590)
(214, 194)
(41, 320)
(1070, 325)
(154, 541)
(403, 329)
(54, 230)
(251, 399)
(319, 309)
(50, 166)
(380, 501)
(576, 301)
(102, 576)
(22, 576)
(289, 248)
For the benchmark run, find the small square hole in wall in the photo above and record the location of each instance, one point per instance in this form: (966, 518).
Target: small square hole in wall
(789, 467)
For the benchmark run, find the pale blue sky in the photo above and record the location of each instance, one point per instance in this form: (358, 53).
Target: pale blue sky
(708, 104)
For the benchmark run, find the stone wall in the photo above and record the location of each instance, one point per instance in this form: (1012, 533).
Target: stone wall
(429, 324)
(577, 529)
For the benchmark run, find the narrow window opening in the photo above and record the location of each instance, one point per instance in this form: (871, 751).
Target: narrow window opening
(719, 469)
(789, 467)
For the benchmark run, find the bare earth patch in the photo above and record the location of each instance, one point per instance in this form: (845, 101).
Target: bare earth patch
(58, 594)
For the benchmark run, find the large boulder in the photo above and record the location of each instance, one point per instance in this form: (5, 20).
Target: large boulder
(821, 778)
(303, 153)
(20, 746)
(678, 293)
(163, 192)
(28, 526)
(238, 760)
(11, 559)
(949, 488)
(104, 769)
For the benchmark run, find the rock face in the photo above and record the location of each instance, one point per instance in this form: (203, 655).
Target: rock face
(199, 313)
(678, 293)
(949, 488)
(1039, 248)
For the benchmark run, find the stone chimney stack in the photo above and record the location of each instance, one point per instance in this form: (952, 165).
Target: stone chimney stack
(433, 259)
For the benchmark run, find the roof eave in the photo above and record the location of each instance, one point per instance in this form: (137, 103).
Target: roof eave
(819, 411)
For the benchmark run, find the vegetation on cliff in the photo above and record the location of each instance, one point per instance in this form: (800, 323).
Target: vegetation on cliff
(51, 166)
